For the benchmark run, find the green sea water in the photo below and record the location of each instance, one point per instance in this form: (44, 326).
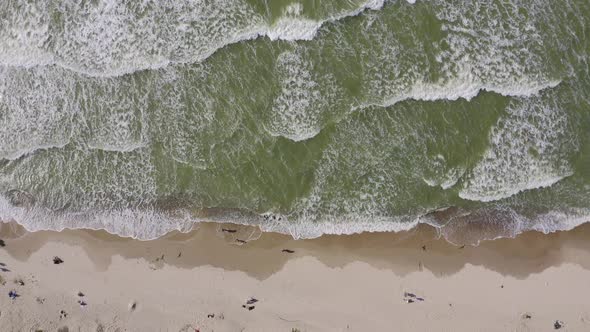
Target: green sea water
(303, 117)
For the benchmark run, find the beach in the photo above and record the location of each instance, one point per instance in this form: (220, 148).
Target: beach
(203, 281)
(294, 165)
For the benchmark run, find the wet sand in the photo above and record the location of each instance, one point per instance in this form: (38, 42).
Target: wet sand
(201, 281)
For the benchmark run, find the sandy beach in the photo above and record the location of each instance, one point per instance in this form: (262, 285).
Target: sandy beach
(202, 281)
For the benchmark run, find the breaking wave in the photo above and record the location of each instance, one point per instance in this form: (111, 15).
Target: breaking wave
(107, 38)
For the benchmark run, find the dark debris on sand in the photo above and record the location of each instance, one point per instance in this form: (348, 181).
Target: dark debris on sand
(411, 298)
(57, 260)
(289, 251)
(227, 230)
(558, 324)
(80, 294)
(13, 294)
(249, 304)
(2, 243)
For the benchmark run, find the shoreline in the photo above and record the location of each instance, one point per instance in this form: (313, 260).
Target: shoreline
(177, 280)
(459, 226)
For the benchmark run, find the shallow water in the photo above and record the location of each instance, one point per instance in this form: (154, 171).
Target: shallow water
(303, 117)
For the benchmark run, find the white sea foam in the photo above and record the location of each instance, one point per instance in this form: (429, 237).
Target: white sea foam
(85, 180)
(16, 154)
(443, 176)
(528, 149)
(147, 224)
(501, 222)
(109, 38)
(194, 128)
(30, 120)
(546, 223)
(91, 190)
(390, 78)
(342, 225)
(296, 111)
(299, 109)
(117, 122)
(293, 26)
(143, 224)
(554, 221)
(290, 28)
(116, 128)
(477, 54)
(474, 56)
(44, 108)
(465, 85)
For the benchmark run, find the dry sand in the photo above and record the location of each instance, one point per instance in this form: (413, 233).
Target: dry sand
(335, 283)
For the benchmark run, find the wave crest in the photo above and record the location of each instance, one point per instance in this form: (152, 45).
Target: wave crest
(528, 149)
(106, 39)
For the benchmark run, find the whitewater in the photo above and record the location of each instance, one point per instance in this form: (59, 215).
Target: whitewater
(300, 117)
